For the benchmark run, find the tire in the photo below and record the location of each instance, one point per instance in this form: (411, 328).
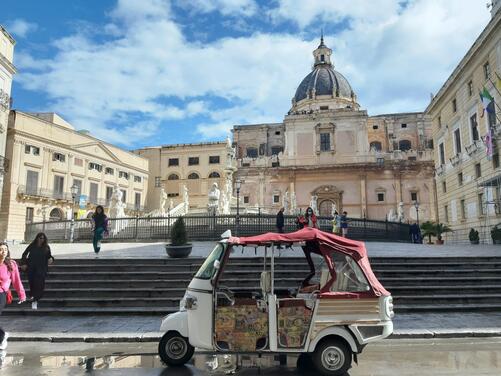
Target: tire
(174, 349)
(332, 357)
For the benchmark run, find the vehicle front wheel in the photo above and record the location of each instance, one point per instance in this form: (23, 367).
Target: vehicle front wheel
(174, 349)
(332, 357)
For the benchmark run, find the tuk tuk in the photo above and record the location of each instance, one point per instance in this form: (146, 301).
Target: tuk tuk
(329, 317)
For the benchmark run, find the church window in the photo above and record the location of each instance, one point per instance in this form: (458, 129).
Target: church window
(322, 58)
(137, 179)
(491, 113)
(246, 199)
(380, 196)
(262, 149)
(123, 174)
(444, 187)
(404, 125)
(414, 196)
(193, 161)
(214, 175)
(446, 213)
(474, 127)
(193, 175)
(457, 140)
(95, 166)
(252, 152)
(454, 105)
(324, 108)
(58, 157)
(214, 159)
(442, 153)
(375, 145)
(487, 70)
(172, 177)
(375, 127)
(173, 161)
(277, 133)
(109, 171)
(470, 88)
(276, 199)
(460, 179)
(325, 142)
(404, 145)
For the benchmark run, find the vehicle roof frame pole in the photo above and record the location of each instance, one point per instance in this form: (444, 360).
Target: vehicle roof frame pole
(273, 268)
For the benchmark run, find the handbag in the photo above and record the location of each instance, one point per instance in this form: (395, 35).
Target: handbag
(8, 297)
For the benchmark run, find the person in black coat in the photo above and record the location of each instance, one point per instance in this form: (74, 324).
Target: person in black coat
(36, 259)
(280, 220)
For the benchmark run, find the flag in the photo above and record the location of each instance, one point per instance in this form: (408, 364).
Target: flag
(488, 144)
(486, 99)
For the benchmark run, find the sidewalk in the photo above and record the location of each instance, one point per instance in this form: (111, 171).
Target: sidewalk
(202, 249)
(146, 328)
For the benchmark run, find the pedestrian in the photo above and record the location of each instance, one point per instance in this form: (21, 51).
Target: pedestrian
(9, 274)
(99, 227)
(36, 260)
(336, 223)
(280, 220)
(309, 219)
(344, 224)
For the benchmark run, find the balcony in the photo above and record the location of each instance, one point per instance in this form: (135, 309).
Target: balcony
(28, 192)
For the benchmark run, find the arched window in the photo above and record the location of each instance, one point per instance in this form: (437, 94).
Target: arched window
(404, 145)
(173, 177)
(375, 146)
(214, 175)
(56, 215)
(193, 175)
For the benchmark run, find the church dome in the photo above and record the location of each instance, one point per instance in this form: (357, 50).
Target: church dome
(323, 80)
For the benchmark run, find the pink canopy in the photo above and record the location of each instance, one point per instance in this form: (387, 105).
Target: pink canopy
(327, 243)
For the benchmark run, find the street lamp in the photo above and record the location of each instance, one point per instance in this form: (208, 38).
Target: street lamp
(416, 205)
(74, 192)
(238, 185)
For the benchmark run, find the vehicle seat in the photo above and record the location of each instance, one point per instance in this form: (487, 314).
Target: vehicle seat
(265, 283)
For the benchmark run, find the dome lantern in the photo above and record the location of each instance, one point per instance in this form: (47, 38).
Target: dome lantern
(322, 54)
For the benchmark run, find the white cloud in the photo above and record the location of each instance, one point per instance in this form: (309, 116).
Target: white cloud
(225, 7)
(20, 27)
(392, 58)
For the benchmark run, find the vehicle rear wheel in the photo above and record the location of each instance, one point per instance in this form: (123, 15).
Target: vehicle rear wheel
(174, 349)
(332, 357)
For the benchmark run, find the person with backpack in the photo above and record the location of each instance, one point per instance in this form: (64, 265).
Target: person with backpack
(99, 227)
(9, 274)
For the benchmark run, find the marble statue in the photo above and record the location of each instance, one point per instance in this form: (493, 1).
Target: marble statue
(69, 212)
(400, 212)
(333, 209)
(392, 216)
(163, 201)
(171, 204)
(293, 203)
(230, 153)
(313, 203)
(285, 202)
(117, 206)
(213, 198)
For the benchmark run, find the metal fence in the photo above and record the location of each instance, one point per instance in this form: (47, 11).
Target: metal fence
(204, 227)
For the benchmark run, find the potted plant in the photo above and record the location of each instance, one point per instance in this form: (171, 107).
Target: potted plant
(496, 234)
(428, 229)
(473, 235)
(440, 228)
(179, 246)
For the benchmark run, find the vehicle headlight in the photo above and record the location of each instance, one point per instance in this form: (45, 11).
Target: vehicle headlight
(182, 304)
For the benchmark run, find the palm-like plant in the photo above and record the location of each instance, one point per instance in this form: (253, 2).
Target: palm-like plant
(441, 228)
(428, 229)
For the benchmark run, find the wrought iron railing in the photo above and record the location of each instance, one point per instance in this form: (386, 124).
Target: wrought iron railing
(204, 227)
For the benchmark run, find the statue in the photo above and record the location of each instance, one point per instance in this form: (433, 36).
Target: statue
(186, 199)
(293, 203)
(230, 153)
(117, 206)
(392, 216)
(213, 196)
(163, 201)
(333, 209)
(313, 203)
(400, 216)
(285, 202)
(171, 204)
(69, 212)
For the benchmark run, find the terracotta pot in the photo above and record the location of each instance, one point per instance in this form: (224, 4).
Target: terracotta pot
(439, 242)
(178, 251)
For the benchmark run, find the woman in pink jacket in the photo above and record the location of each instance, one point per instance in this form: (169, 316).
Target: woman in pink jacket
(9, 273)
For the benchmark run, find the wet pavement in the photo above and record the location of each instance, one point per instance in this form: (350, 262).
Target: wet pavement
(391, 357)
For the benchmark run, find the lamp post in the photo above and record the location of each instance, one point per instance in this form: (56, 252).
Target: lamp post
(238, 185)
(44, 209)
(416, 205)
(74, 192)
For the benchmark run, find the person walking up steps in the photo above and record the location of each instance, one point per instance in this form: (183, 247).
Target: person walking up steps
(100, 228)
(9, 274)
(37, 258)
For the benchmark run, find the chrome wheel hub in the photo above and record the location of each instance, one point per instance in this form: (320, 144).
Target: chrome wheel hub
(176, 348)
(332, 358)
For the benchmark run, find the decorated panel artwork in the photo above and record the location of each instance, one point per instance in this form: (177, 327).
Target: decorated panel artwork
(241, 327)
(293, 323)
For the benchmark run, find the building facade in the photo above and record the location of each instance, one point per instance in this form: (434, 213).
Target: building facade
(468, 177)
(329, 153)
(48, 156)
(7, 71)
(196, 166)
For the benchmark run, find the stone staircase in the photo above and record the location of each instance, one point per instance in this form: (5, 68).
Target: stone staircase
(154, 286)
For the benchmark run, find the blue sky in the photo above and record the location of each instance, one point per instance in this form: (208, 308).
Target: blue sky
(151, 72)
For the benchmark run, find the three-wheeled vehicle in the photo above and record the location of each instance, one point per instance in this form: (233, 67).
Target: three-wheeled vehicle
(329, 317)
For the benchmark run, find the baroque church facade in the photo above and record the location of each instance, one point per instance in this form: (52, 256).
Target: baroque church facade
(328, 148)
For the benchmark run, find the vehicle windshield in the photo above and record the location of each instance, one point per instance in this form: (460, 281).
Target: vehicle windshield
(207, 269)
